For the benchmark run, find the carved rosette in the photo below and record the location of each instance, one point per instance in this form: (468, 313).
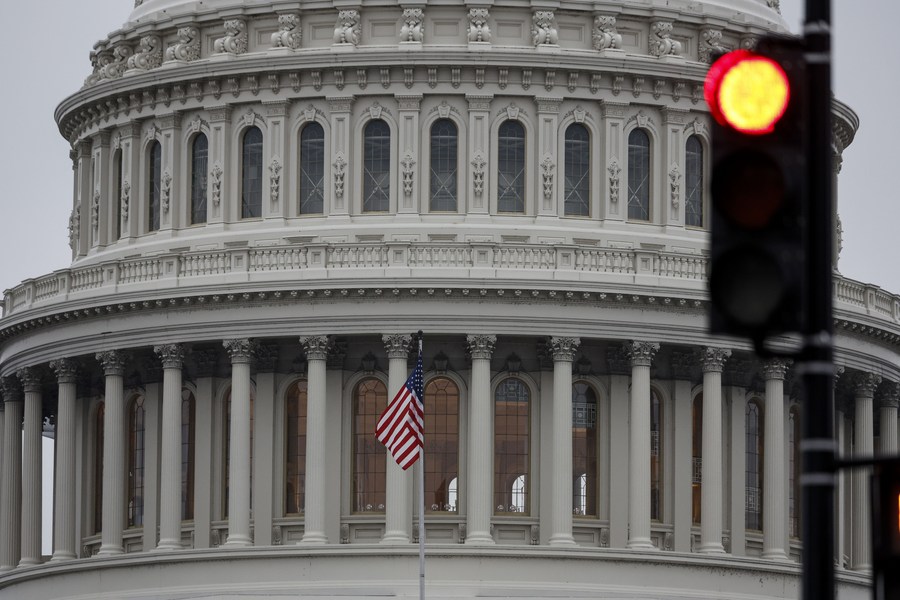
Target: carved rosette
(641, 353)
(481, 346)
(235, 39)
(412, 29)
(478, 30)
(889, 394)
(712, 360)
(563, 348)
(397, 344)
(604, 35)
(149, 56)
(170, 355)
(775, 368)
(112, 361)
(289, 34)
(187, 48)
(347, 28)
(30, 378)
(661, 43)
(240, 350)
(315, 347)
(864, 384)
(66, 370)
(11, 388)
(543, 29)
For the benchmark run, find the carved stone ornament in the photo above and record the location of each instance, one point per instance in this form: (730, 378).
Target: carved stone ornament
(641, 353)
(889, 394)
(315, 347)
(187, 48)
(478, 163)
(864, 384)
(478, 25)
(615, 172)
(149, 56)
(775, 368)
(675, 186)
(481, 346)
(412, 29)
(166, 191)
(604, 35)
(289, 33)
(11, 389)
(543, 28)
(114, 67)
(216, 184)
(661, 44)
(274, 180)
(710, 43)
(74, 227)
(347, 29)
(235, 39)
(30, 378)
(375, 111)
(340, 165)
(563, 348)
(170, 355)
(408, 164)
(240, 350)
(112, 361)
(95, 211)
(396, 344)
(66, 370)
(547, 166)
(776, 4)
(713, 359)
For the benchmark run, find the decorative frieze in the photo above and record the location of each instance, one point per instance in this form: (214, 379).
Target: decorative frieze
(478, 30)
(149, 56)
(235, 40)
(347, 28)
(412, 29)
(289, 34)
(543, 30)
(661, 42)
(187, 48)
(604, 35)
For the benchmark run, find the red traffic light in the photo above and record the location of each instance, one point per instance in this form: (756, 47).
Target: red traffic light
(747, 91)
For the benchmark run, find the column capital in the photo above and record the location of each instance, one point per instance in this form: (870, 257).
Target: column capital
(171, 355)
(315, 347)
(66, 370)
(838, 373)
(112, 361)
(11, 389)
(30, 378)
(775, 368)
(397, 344)
(641, 353)
(481, 345)
(240, 350)
(712, 360)
(864, 384)
(563, 348)
(889, 394)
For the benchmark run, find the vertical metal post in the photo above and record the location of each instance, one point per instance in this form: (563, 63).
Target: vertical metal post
(817, 363)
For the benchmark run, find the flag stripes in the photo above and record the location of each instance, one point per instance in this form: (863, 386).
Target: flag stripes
(401, 427)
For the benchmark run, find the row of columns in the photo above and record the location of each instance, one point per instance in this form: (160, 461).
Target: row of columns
(20, 501)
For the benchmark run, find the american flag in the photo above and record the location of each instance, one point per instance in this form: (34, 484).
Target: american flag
(401, 427)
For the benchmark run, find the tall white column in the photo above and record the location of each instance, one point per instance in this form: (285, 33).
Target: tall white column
(864, 385)
(888, 400)
(32, 464)
(712, 362)
(478, 499)
(241, 353)
(64, 492)
(114, 450)
(563, 351)
(641, 355)
(316, 350)
(842, 493)
(172, 357)
(775, 498)
(398, 488)
(11, 485)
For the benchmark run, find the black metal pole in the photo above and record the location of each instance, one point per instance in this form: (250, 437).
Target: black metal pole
(818, 446)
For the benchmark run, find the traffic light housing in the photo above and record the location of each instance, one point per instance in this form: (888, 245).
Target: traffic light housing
(886, 530)
(758, 182)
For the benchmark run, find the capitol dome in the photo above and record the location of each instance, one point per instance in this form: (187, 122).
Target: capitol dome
(270, 196)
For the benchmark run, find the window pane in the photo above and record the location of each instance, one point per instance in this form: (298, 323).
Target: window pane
(199, 164)
(251, 173)
(155, 180)
(693, 179)
(377, 167)
(369, 465)
(511, 167)
(639, 175)
(584, 450)
(443, 165)
(136, 463)
(754, 454)
(295, 449)
(511, 447)
(441, 445)
(578, 165)
(656, 444)
(188, 428)
(312, 170)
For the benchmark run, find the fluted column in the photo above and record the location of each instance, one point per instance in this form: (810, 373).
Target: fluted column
(11, 485)
(563, 351)
(64, 493)
(775, 493)
(31, 467)
(398, 488)
(241, 353)
(172, 357)
(114, 451)
(864, 385)
(316, 350)
(478, 499)
(888, 400)
(641, 355)
(712, 363)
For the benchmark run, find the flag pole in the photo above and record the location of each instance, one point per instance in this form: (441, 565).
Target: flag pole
(421, 506)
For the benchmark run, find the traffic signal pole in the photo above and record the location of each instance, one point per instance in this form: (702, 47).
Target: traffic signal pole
(818, 447)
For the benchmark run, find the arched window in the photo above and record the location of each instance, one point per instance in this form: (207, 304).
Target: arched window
(251, 173)
(794, 472)
(117, 175)
(136, 449)
(369, 465)
(693, 183)
(584, 449)
(227, 462)
(312, 169)
(441, 445)
(188, 427)
(639, 175)
(154, 190)
(511, 167)
(754, 473)
(578, 171)
(444, 140)
(199, 171)
(98, 467)
(696, 457)
(512, 444)
(295, 448)
(656, 445)
(376, 167)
